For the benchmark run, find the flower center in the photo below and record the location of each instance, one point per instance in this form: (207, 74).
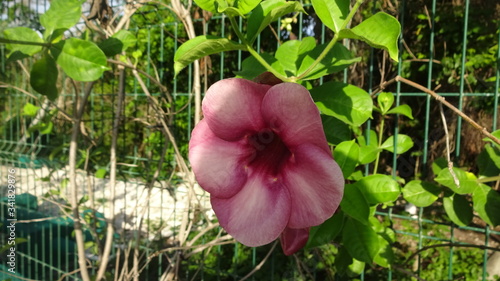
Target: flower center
(270, 152)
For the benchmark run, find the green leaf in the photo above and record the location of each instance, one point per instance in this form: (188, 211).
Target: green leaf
(200, 47)
(207, 5)
(81, 60)
(337, 59)
(488, 161)
(354, 204)
(30, 110)
(468, 181)
(421, 193)
(458, 209)
(346, 154)
(368, 153)
(42, 127)
(332, 13)
(345, 102)
(43, 77)
(495, 134)
(336, 131)
(22, 34)
(439, 164)
(267, 12)
(62, 14)
(291, 53)
(246, 6)
(403, 144)
(118, 43)
(403, 109)
(360, 240)
(251, 67)
(379, 189)
(385, 256)
(379, 31)
(385, 101)
(487, 204)
(101, 173)
(325, 232)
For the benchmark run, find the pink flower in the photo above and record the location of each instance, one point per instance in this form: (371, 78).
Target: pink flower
(262, 155)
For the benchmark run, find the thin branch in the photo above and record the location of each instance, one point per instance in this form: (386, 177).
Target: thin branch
(73, 151)
(441, 99)
(262, 262)
(447, 136)
(112, 175)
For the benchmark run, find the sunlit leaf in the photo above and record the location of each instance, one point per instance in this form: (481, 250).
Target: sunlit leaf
(346, 154)
(458, 209)
(487, 204)
(379, 188)
(200, 47)
(421, 193)
(403, 144)
(345, 102)
(332, 12)
(360, 240)
(379, 31)
(22, 34)
(81, 60)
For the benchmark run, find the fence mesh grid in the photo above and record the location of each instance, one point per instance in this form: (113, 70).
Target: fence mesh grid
(41, 163)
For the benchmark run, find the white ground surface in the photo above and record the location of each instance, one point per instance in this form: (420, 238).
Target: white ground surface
(161, 209)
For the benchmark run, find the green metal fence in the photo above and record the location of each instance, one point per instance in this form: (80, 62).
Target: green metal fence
(453, 59)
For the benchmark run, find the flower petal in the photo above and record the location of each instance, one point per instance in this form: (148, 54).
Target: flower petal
(293, 240)
(290, 111)
(217, 164)
(316, 186)
(257, 214)
(232, 108)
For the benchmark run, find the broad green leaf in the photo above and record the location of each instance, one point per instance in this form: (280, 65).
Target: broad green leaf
(468, 181)
(336, 131)
(403, 109)
(118, 43)
(291, 53)
(439, 164)
(346, 265)
(200, 47)
(267, 12)
(345, 102)
(360, 240)
(354, 204)
(385, 256)
(488, 161)
(368, 153)
(458, 209)
(385, 101)
(383, 230)
(251, 67)
(332, 12)
(62, 14)
(346, 154)
(487, 204)
(207, 5)
(403, 144)
(43, 77)
(379, 188)
(379, 31)
(30, 110)
(81, 60)
(337, 59)
(325, 232)
(421, 193)
(22, 34)
(246, 6)
(495, 134)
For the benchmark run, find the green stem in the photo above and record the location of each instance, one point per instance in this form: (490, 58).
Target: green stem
(334, 40)
(380, 134)
(488, 179)
(9, 41)
(256, 55)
